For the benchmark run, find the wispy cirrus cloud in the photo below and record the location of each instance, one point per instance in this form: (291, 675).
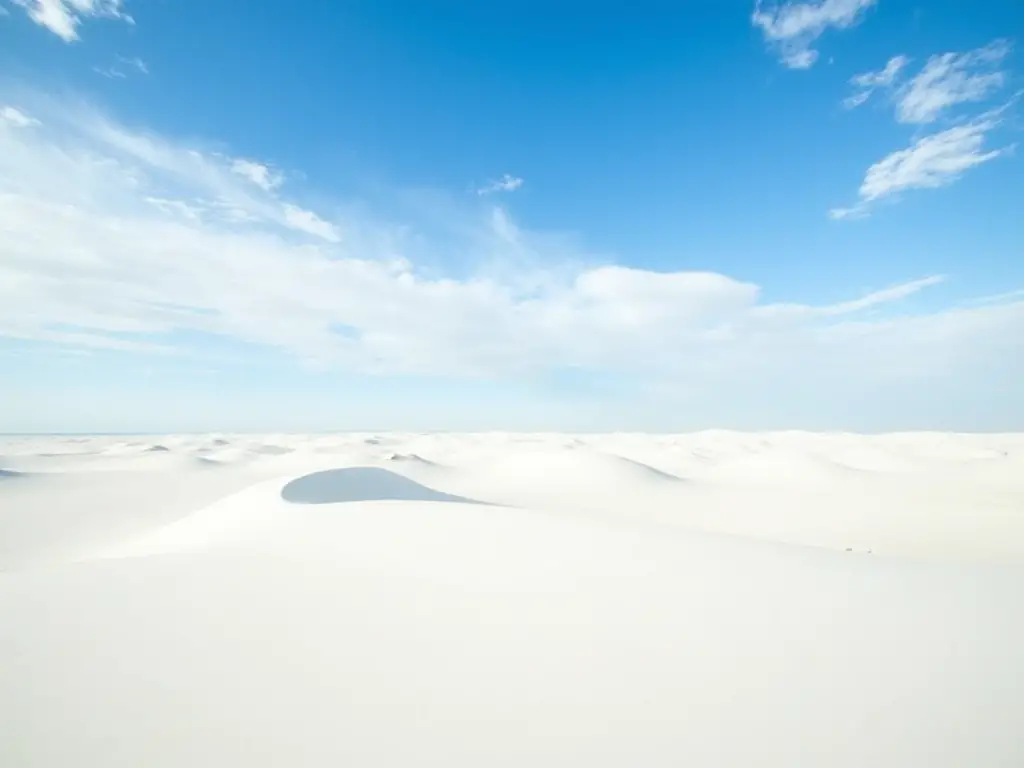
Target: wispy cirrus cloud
(63, 17)
(306, 221)
(793, 28)
(866, 83)
(507, 183)
(123, 67)
(868, 301)
(950, 79)
(118, 239)
(15, 118)
(111, 73)
(942, 83)
(259, 174)
(932, 161)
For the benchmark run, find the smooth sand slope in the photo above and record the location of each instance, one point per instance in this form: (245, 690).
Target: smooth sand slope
(708, 600)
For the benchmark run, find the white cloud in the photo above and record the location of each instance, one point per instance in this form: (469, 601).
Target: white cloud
(506, 183)
(854, 100)
(931, 161)
(62, 17)
(206, 176)
(113, 73)
(181, 208)
(866, 83)
(15, 118)
(799, 58)
(868, 301)
(999, 298)
(117, 239)
(883, 77)
(307, 221)
(120, 70)
(950, 79)
(258, 173)
(793, 28)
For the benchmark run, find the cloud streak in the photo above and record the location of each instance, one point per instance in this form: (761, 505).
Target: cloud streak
(793, 28)
(951, 79)
(120, 70)
(258, 173)
(943, 82)
(930, 162)
(15, 118)
(63, 17)
(867, 83)
(507, 183)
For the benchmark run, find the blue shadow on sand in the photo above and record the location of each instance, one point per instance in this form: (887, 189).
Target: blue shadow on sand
(333, 486)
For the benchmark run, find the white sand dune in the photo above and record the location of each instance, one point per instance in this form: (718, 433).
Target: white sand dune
(510, 600)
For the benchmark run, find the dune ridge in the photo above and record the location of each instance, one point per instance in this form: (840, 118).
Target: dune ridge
(712, 600)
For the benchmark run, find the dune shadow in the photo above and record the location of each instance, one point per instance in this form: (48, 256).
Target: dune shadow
(10, 473)
(269, 449)
(653, 471)
(333, 486)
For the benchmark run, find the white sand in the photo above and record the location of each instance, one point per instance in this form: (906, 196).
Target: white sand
(513, 600)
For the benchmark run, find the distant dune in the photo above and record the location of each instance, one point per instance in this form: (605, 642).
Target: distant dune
(715, 599)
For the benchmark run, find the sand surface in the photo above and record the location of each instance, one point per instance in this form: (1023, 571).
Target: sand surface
(716, 599)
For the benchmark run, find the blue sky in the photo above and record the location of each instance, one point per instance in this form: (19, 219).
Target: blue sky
(465, 215)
